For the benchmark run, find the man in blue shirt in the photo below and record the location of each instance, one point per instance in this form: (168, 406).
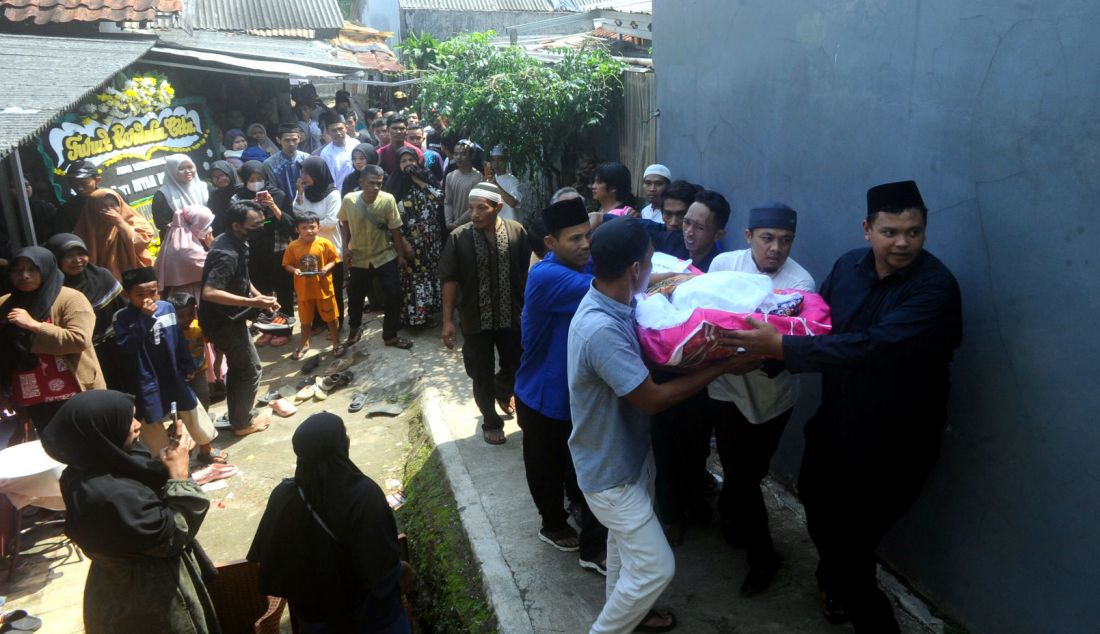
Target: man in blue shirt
(611, 396)
(285, 167)
(897, 320)
(554, 288)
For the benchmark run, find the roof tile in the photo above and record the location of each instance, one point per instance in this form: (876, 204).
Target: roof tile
(54, 11)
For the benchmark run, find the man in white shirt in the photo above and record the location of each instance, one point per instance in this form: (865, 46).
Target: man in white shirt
(751, 411)
(337, 154)
(508, 184)
(654, 181)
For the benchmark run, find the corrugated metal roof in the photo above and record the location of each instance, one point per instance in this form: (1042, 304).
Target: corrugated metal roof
(262, 15)
(47, 11)
(483, 5)
(309, 53)
(626, 6)
(38, 83)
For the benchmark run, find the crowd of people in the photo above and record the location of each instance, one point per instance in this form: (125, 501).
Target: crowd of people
(346, 211)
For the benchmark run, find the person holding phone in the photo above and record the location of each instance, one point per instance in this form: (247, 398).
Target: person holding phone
(134, 516)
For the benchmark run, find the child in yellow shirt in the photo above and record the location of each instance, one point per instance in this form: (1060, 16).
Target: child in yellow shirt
(310, 260)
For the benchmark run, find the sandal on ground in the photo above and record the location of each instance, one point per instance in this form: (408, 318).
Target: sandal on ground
(494, 436)
(299, 353)
(666, 617)
(398, 342)
(339, 365)
(357, 402)
(19, 621)
(259, 423)
(214, 472)
(306, 392)
(214, 456)
(267, 398)
(565, 540)
(279, 340)
(263, 340)
(283, 407)
(507, 405)
(338, 350)
(336, 380)
(311, 364)
(353, 336)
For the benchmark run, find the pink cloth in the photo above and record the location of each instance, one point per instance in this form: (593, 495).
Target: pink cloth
(695, 341)
(621, 211)
(182, 255)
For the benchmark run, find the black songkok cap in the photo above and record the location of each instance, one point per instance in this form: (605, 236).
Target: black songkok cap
(288, 127)
(618, 243)
(82, 169)
(133, 277)
(893, 197)
(331, 117)
(773, 216)
(564, 213)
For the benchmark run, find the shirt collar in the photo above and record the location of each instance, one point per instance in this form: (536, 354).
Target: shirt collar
(613, 306)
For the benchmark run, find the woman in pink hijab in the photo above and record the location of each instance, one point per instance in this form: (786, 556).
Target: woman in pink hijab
(179, 264)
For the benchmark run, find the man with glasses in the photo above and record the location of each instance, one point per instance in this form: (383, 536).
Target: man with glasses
(387, 154)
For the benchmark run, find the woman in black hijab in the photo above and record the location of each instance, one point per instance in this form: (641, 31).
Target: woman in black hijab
(421, 205)
(363, 155)
(46, 353)
(102, 290)
(225, 182)
(266, 246)
(134, 516)
(328, 540)
(317, 194)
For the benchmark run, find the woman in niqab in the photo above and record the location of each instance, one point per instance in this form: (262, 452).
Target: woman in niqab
(135, 517)
(117, 237)
(328, 540)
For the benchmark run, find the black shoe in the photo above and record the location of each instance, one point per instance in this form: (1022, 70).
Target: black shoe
(832, 609)
(760, 576)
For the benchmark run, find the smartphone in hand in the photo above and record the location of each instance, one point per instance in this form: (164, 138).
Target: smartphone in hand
(176, 433)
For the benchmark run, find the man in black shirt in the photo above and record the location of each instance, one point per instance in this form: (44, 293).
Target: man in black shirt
(897, 320)
(228, 300)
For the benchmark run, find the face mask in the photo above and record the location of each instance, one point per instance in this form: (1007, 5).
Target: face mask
(256, 187)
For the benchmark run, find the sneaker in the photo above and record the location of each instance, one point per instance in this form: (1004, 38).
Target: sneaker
(598, 566)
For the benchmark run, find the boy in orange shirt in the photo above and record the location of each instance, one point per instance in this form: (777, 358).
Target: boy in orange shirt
(310, 260)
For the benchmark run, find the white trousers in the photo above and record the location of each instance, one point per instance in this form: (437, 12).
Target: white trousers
(196, 423)
(640, 564)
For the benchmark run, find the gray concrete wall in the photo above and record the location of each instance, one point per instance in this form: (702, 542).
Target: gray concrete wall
(447, 24)
(993, 108)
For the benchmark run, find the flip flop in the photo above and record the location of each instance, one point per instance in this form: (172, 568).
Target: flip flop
(508, 405)
(279, 340)
(357, 402)
(214, 472)
(398, 342)
(299, 353)
(267, 398)
(485, 435)
(339, 365)
(19, 621)
(305, 393)
(216, 456)
(283, 407)
(263, 340)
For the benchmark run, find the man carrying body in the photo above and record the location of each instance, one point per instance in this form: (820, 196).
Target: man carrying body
(457, 186)
(284, 168)
(373, 248)
(611, 397)
(508, 184)
(228, 300)
(897, 320)
(337, 154)
(554, 288)
(750, 412)
(487, 259)
(387, 154)
(84, 179)
(654, 181)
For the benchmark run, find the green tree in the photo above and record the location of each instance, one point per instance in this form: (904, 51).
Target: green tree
(538, 109)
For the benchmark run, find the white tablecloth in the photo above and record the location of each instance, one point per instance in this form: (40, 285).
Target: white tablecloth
(29, 477)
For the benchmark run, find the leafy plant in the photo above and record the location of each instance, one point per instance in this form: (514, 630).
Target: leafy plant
(539, 110)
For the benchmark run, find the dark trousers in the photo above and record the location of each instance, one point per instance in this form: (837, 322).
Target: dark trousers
(359, 284)
(480, 362)
(746, 451)
(849, 508)
(681, 445)
(550, 473)
(243, 377)
(338, 288)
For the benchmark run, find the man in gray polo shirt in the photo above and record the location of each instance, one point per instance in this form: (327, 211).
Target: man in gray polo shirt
(611, 396)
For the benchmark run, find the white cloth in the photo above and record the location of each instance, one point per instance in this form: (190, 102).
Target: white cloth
(338, 160)
(729, 291)
(29, 477)
(510, 184)
(327, 210)
(180, 195)
(758, 397)
(640, 564)
(649, 212)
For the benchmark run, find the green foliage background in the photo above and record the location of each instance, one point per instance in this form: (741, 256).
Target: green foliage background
(538, 109)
